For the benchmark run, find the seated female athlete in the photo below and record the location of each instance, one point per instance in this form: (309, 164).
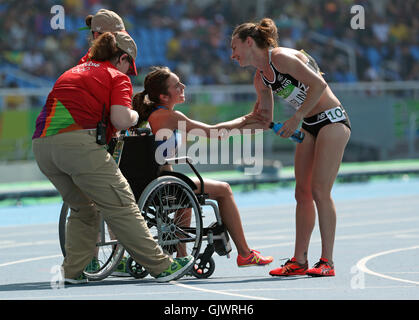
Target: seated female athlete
(155, 104)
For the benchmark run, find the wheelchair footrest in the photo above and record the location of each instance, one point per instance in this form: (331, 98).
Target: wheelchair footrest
(221, 238)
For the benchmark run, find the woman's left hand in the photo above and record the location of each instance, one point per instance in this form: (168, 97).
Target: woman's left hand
(289, 127)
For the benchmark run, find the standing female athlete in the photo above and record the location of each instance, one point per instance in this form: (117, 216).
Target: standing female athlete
(162, 91)
(69, 153)
(295, 76)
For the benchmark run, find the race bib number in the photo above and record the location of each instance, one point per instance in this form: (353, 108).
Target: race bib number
(335, 114)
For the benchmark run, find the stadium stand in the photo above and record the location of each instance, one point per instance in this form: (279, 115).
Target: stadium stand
(193, 37)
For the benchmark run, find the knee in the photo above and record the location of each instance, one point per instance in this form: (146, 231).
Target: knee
(223, 191)
(303, 194)
(320, 193)
(225, 187)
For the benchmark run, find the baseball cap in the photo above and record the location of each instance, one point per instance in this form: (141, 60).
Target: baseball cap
(127, 44)
(106, 20)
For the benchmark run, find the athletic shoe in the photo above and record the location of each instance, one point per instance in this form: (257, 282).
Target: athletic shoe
(93, 266)
(253, 259)
(290, 268)
(79, 280)
(178, 268)
(122, 269)
(322, 269)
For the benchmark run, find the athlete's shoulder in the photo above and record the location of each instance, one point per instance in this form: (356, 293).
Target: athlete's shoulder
(282, 54)
(284, 59)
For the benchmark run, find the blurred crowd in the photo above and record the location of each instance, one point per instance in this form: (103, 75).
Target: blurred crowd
(193, 37)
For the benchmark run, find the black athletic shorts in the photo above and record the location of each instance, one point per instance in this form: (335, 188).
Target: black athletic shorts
(314, 123)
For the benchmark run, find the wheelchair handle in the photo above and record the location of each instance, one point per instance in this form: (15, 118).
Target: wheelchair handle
(141, 131)
(189, 162)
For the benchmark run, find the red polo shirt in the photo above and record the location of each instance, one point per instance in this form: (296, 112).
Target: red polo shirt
(77, 99)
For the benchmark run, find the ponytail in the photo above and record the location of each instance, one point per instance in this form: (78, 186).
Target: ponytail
(104, 48)
(264, 33)
(268, 31)
(88, 21)
(142, 104)
(155, 84)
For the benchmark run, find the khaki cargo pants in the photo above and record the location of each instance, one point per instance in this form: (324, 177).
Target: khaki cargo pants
(88, 179)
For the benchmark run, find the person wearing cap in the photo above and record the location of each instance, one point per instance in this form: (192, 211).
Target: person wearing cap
(84, 173)
(103, 21)
(107, 21)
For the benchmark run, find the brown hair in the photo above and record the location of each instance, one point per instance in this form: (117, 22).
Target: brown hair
(265, 33)
(88, 20)
(155, 84)
(104, 48)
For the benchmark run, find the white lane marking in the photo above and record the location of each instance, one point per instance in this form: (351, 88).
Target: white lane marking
(131, 294)
(5, 234)
(27, 244)
(361, 264)
(219, 292)
(29, 260)
(93, 296)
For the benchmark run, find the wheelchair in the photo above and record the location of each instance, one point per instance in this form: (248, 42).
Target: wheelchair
(171, 205)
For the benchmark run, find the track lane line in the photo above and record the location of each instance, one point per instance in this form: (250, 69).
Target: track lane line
(361, 264)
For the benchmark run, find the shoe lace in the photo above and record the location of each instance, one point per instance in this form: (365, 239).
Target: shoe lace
(288, 261)
(320, 263)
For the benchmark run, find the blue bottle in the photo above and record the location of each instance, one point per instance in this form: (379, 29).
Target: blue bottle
(297, 136)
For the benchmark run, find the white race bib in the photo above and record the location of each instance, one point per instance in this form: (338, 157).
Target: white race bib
(335, 114)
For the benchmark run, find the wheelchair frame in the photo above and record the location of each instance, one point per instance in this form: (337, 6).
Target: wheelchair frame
(215, 234)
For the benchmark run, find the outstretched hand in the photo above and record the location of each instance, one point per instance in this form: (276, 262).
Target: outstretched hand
(257, 120)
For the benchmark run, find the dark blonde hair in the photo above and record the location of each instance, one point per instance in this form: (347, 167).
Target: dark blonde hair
(265, 33)
(155, 84)
(104, 48)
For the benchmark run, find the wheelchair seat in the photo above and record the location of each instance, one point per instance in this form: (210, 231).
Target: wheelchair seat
(138, 163)
(165, 198)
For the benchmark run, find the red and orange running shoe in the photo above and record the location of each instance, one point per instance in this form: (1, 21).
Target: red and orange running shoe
(253, 259)
(291, 268)
(322, 269)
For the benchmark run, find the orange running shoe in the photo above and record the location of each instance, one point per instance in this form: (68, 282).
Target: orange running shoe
(290, 268)
(253, 259)
(322, 269)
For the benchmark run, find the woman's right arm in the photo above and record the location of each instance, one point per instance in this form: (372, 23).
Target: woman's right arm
(123, 117)
(265, 102)
(179, 121)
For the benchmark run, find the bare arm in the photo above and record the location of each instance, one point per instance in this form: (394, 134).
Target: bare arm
(265, 102)
(293, 66)
(178, 120)
(123, 117)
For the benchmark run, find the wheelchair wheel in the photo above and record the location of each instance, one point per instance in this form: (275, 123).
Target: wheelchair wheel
(203, 270)
(136, 270)
(173, 215)
(109, 252)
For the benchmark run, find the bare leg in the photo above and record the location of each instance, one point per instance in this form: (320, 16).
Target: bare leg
(182, 218)
(221, 192)
(330, 146)
(305, 214)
